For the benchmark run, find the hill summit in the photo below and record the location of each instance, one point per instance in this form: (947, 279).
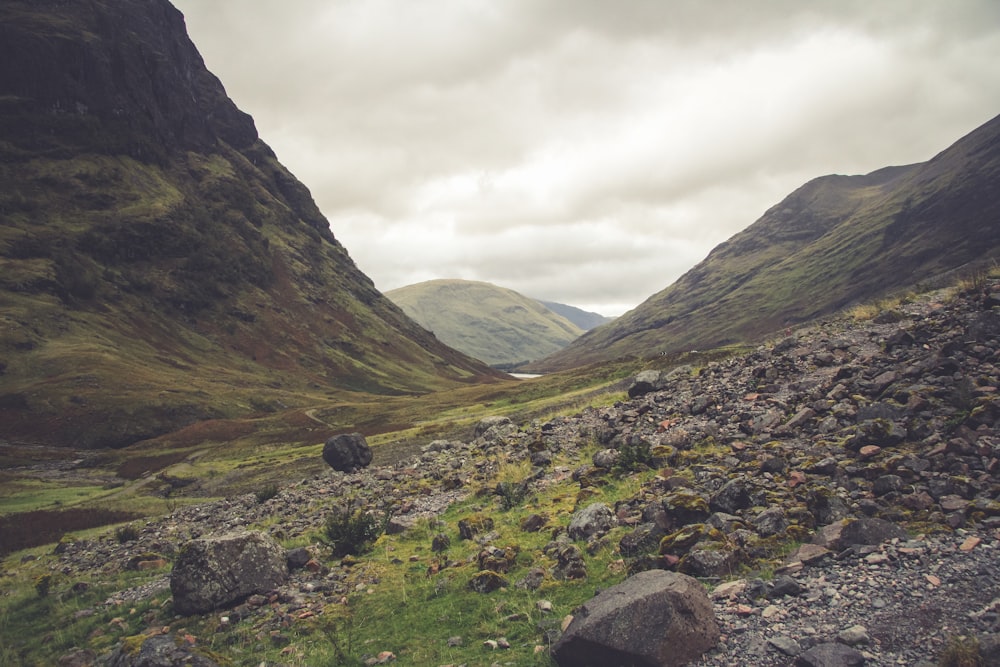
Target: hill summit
(158, 265)
(495, 324)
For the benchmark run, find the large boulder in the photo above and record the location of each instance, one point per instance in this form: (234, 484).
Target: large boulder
(652, 619)
(213, 572)
(347, 452)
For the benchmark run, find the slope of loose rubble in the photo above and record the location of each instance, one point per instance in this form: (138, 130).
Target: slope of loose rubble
(844, 422)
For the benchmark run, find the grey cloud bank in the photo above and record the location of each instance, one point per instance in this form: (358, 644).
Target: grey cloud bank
(587, 152)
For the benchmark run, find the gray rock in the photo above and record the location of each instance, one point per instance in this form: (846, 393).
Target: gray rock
(654, 618)
(870, 531)
(159, 651)
(216, 571)
(594, 519)
(732, 497)
(644, 383)
(489, 425)
(830, 655)
(347, 452)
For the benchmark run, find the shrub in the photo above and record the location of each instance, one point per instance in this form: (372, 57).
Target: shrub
(511, 494)
(43, 584)
(353, 531)
(961, 652)
(266, 493)
(127, 533)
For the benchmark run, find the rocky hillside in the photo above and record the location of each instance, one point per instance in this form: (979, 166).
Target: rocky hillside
(836, 241)
(158, 265)
(837, 488)
(491, 323)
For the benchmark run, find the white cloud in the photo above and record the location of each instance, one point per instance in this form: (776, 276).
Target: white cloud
(584, 151)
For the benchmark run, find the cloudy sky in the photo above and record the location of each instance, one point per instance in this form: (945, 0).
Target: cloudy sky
(588, 151)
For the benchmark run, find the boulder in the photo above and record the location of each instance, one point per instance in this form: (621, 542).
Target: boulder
(643, 383)
(159, 651)
(214, 572)
(594, 519)
(347, 452)
(654, 618)
(830, 655)
(491, 425)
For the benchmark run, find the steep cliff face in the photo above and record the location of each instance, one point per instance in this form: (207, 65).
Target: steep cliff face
(158, 265)
(835, 241)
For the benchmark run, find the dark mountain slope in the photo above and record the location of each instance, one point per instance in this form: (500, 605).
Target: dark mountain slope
(835, 241)
(491, 323)
(158, 265)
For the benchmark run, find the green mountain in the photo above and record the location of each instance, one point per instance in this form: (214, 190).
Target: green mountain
(158, 265)
(834, 242)
(491, 323)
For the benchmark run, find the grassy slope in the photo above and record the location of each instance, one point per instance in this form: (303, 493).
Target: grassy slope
(487, 322)
(835, 241)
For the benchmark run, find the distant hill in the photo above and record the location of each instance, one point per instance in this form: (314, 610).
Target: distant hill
(494, 324)
(581, 318)
(835, 241)
(158, 265)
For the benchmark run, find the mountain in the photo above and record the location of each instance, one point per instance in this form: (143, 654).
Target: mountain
(581, 318)
(158, 265)
(834, 242)
(491, 323)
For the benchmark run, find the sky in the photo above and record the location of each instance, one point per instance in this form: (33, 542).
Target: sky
(587, 152)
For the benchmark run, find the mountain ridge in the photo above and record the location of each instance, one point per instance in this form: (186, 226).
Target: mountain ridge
(834, 241)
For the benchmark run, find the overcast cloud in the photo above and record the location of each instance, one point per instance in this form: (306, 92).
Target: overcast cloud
(586, 151)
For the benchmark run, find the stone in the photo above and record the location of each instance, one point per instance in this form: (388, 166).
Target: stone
(594, 519)
(487, 581)
(491, 425)
(830, 655)
(644, 383)
(854, 635)
(654, 618)
(347, 452)
(869, 531)
(770, 522)
(158, 651)
(732, 497)
(213, 572)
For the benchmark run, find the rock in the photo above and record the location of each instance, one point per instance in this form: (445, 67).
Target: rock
(869, 531)
(732, 497)
(854, 635)
(770, 522)
(594, 519)
(490, 425)
(644, 539)
(159, 651)
(606, 458)
(347, 452)
(487, 581)
(644, 383)
(654, 618)
(830, 655)
(297, 558)
(216, 571)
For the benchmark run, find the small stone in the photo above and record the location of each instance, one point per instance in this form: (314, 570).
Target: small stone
(786, 645)
(771, 611)
(854, 635)
(970, 543)
(544, 606)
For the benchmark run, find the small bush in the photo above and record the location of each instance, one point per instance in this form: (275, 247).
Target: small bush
(127, 533)
(511, 494)
(43, 584)
(353, 531)
(266, 493)
(635, 455)
(961, 652)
